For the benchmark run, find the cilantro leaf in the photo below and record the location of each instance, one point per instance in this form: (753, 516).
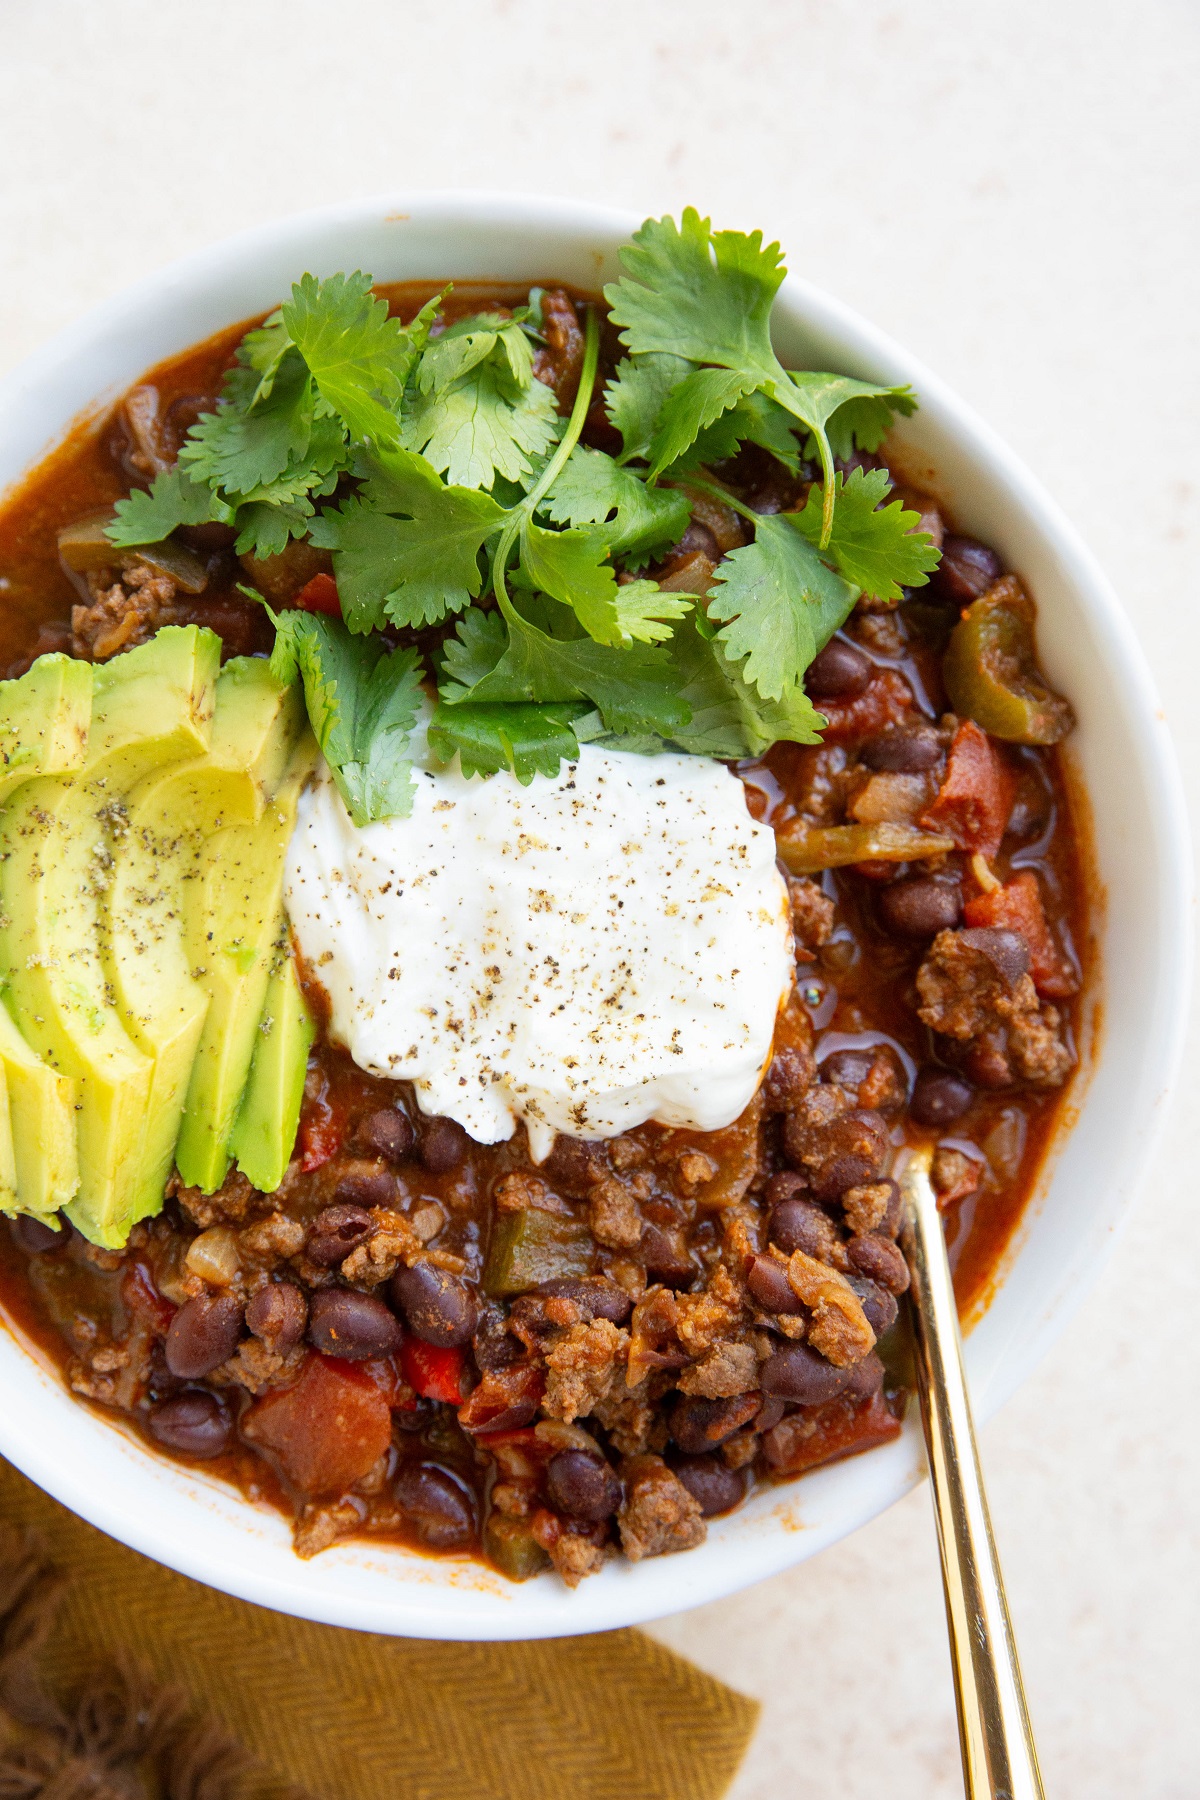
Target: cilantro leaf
(863, 423)
(691, 408)
(873, 545)
(415, 568)
(780, 605)
(635, 395)
(528, 740)
(730, 718)
(480, 641)
(258, 429)
(173, 499)
(359, 358)
(646, 612)
(753, 420)
(545, 657)
(265, 527)
(573, 568)
(362, 703)
(637, 520)
(474, 429)
(707, 295)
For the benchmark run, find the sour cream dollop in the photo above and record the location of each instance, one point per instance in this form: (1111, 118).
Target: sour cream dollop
(599, 948)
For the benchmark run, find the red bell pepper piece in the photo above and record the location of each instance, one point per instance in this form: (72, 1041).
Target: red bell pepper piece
(319, 1137)
(435, 1372)
(1017, 906)
(142, 1297)
(320, 595)
(505, 1399)
(973, 804)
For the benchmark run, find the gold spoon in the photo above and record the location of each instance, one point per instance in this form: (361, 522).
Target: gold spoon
(998, 1754)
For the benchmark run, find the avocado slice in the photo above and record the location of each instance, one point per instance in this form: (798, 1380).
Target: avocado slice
(40, 1109)
(150, 706)
(265, 1134)
(235, 929)
(44, 719)
(169, 816)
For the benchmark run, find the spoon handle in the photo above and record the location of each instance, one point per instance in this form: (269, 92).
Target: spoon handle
(998, 1754)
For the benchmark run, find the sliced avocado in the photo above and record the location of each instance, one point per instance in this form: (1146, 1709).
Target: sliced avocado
(159, 850)
(150, 706)
(235, 929)
(8, 1159)
(44, 720)
(265, 1134)
(41, 1112)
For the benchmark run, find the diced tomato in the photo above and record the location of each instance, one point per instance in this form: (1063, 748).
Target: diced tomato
(976, 797)
(886, 701)
(435, 1372)
(385, 1373)
(142, 1298)
(504, 1399)
(320, 1136)
(320, 595)
(816, 1435)
(1017, 906)
(327, 1429)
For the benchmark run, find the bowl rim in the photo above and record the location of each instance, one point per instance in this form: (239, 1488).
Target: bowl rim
(624, 1595)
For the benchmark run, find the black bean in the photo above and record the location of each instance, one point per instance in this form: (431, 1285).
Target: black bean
(797, 1372)
(708, 1481)
(880, 1260)
(768, 1283)
(583, 1485)
(204, 1334)
(880, 1308)
(785, 1186)
(866, 1377)
(849, 1068)
(364, 1185)
(1005, 950)
(440, 1309)
(34, 1235)
(336, 1231)
(920, 908)
(697, 537)
(443, 1145)
(437, 1506)
(939, 1097)
(194, 1422)
(387, 1133)
(839, 672)
(903, 750)
(967, 569)
(278, 1314)
(595, 1295)
(343, 1322)
(698, 1425)
(798, 1225)
(666, 1257)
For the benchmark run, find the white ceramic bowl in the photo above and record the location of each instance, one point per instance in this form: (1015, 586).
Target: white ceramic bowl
(1121, 752)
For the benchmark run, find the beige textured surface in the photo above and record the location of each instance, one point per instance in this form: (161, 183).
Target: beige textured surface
(1010, 188)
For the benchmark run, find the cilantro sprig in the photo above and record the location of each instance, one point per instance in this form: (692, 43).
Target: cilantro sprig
(433, 464)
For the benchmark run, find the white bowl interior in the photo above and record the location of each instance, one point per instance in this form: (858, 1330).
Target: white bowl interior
(1121, 753)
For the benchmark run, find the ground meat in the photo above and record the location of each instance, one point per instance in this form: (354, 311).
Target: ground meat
(128, 612)
(257, 1369)
(231, 1202)
(954, 1175)
(321, 1525)
(583, 1367)
(272, 1240)
(812, 913)
(838, 1327)
(521, 1192)
(659, 1516)
(628, 1415)
(703, 1321)
(725, 1371)
(573, 1553)
(866, 1208)
(613, 1217)
(377, 1260)
(975, 986)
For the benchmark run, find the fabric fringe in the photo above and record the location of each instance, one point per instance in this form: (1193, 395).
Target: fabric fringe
(122, 1735)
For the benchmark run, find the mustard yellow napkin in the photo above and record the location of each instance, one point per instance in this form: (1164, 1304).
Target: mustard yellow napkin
(353, 1716)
